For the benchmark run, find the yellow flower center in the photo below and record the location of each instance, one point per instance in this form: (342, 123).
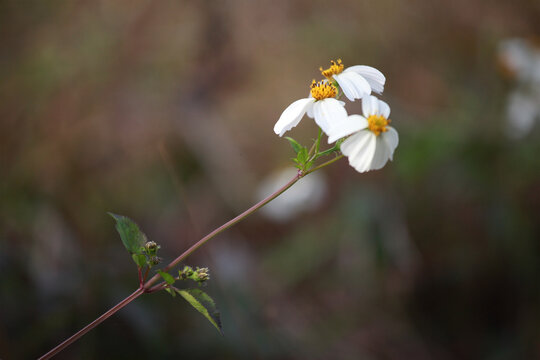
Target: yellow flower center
(322, 90)
(335, 68)
(377, 124)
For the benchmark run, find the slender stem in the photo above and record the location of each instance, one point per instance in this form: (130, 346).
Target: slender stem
(225, 226)
(93, 324)
(157, 287)
(315, 145)
(318, 141)
(146, 287)
(146, 274)
(323, 164)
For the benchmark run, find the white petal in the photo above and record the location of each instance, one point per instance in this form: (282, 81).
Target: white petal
(391, 139)
(370, 106)
(374, 77)
(353, 144)
(360, 149)
(384, 109)
(292, 115)
(346, 127)
(328, 111)
(354, 86)
(382, 153)
(309, 112)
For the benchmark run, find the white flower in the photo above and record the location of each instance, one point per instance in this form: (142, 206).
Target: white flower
(356, 81)
(372, 141)
(321, 105)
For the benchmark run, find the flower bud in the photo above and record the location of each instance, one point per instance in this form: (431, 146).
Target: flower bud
(151, 247)
(154, 260)
(187, 272)
(201, 274)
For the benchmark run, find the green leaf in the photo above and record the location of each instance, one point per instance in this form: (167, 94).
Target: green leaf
(302, 156)
(169, 279)
(139, 259)
(295, 145)
(171, 291)
(203, 304)
(132, 237)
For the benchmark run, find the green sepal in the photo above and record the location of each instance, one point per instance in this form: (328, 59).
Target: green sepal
(169, 279)
(139, 259)
(338, 144)
(132, 237)
(295, 145)
(203, 304)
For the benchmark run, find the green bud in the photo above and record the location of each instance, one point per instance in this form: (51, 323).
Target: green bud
(151, 247)
(187, 272)
(154, 260)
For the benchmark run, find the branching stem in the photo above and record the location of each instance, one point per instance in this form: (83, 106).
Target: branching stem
(148, 288)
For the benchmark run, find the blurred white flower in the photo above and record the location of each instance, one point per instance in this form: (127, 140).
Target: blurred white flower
(305, 195)
(321, 105)
(356, 81)
(373, 141)
(522, 59)
(522, 110)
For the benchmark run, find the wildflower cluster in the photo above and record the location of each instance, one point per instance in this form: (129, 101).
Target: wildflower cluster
(199, 275)
(367, 140)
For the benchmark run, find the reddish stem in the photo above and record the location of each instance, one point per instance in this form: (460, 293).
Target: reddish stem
(146, 274)
(225, 226)
(93, 324)
(146, 287)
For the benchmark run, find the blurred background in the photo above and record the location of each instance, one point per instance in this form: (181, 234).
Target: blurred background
(163, 111)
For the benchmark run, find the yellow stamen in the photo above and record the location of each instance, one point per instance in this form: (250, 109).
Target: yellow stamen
(335, 68)
(322, 90)
(377, 124)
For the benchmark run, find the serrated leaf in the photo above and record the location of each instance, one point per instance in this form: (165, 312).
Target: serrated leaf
(139, 259)
(169, 279)
(203, 304)
(132, 237)
(295, 145)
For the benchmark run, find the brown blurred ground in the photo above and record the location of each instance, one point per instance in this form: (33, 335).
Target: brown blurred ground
(163, 111)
